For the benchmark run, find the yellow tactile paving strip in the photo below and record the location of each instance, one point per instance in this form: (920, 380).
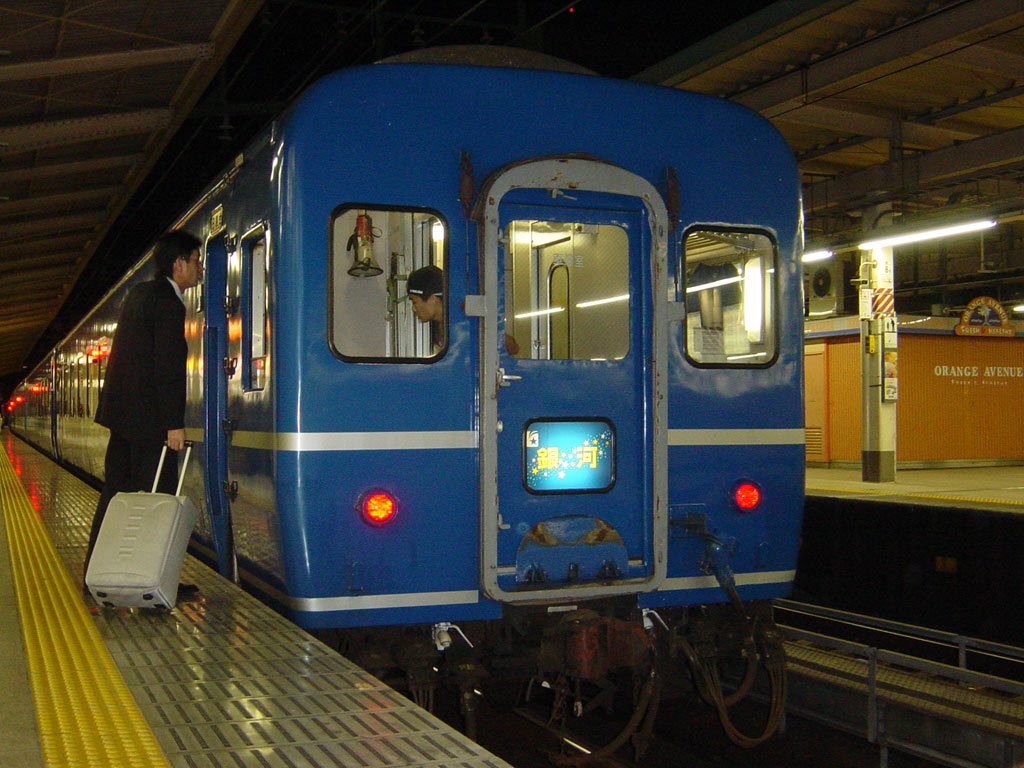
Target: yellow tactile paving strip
(85, 713)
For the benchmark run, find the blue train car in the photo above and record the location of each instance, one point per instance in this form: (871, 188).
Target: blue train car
(609, 412)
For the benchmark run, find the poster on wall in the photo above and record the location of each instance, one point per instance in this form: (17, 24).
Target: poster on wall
(984, 316)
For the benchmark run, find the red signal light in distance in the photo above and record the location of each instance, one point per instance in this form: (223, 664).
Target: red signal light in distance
(747, 496)
(378, 507)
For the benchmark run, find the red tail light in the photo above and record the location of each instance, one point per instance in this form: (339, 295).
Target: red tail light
(378, 507)
(747, 496)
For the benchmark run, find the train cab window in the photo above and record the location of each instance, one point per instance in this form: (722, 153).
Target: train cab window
(729, 293)
(373, 252)
(567, 291)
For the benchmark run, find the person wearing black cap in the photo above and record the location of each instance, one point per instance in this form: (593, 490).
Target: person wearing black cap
(426, 292)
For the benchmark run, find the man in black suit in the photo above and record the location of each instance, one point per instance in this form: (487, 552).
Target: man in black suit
(143, 397)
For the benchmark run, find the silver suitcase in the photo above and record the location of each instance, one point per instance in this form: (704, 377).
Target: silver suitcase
(141, 545)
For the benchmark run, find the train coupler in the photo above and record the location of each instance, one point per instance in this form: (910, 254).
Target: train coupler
(588, 646)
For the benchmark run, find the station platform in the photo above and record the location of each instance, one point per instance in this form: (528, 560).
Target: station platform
(220, 681)
(999, 489)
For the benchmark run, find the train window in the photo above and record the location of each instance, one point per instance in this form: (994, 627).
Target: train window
(255, 252)
(729, 295)
(567, 291)
(373, 252)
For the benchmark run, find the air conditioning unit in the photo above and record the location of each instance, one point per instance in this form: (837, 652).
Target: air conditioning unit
(823, 288)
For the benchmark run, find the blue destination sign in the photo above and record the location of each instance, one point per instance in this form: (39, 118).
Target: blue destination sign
(564, 456)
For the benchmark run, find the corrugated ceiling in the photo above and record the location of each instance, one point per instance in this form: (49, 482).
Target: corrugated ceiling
(90, 94)
(895, 110)
(900, 113)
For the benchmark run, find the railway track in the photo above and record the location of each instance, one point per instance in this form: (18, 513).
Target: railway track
(896, 681)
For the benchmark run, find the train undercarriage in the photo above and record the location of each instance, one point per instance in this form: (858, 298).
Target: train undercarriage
(600, 655)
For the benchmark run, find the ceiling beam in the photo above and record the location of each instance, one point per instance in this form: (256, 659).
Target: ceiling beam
(47, 306)
(13, 321)
(31, 248)
(46, 260)
(63, 170)
(61, 201)
(11, 352)
(987, 58)
(909, 174)
(804, 158)
(76, 65)
(751, 32)
(828, 168)
(848, 121)
(31, 275)
(48, 296)
(53, 225)
(932, 34)
(32, 136)
(984, 100)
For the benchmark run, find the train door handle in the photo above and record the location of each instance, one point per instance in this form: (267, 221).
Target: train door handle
(506, 379)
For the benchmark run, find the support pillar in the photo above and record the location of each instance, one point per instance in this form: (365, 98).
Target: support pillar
(878, 368)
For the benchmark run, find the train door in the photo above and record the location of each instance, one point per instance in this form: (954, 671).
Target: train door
(55, 384)
(248, 424)
(215, 353)
(572, 424)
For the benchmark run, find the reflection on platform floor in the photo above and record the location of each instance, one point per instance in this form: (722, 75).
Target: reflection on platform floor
(223, 680)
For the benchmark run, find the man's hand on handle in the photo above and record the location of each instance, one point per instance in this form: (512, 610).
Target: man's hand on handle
(176, 439)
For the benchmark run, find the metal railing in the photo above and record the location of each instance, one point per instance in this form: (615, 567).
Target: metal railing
(962, 643)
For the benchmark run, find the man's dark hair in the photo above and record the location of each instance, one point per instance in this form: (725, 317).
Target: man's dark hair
(426, 282)
(174, 245)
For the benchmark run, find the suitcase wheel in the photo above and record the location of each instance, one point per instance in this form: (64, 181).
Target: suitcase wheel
(147, 596)
(101, 594)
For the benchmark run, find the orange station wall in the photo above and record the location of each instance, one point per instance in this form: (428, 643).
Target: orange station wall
(961, 400)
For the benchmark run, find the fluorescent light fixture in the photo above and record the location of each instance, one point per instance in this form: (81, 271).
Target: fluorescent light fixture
(927, 234)
(583, 304)
(713, 284)
(1019, 308)
(540, 312)
(437, 232)
(819, 255)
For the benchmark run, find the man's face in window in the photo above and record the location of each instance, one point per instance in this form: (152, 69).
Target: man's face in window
(429, 309)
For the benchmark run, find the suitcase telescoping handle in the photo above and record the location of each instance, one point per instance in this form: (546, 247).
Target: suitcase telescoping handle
(184, 465)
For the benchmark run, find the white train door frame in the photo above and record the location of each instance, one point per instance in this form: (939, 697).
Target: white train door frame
(567, 175)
